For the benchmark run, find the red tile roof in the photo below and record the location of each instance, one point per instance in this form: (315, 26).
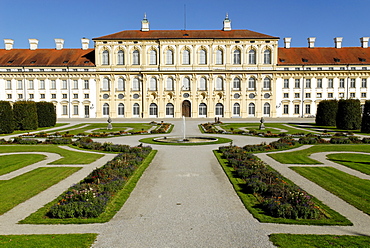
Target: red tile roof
(47, 57)
(323, 56)
(185, 34)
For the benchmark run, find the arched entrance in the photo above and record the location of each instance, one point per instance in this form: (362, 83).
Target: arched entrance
(186, 108)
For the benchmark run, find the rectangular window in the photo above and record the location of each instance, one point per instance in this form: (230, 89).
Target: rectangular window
(64, 84)
(286, 109)
(86, 84)
(65, 110)
(296, 109)
(53, 96)
(364, 83)
(30, 84)
(20, 96)
(42, 84)
(86, 95)
(53, 84)
(19, 85)
(363, 95)
(319, 83)
(296, 95)
(64, 96)
(297, 83)
(308, 109)
(8, 84)
(308, 95)
(352, 83)
(286, 95)
(352, 95)
(31, 96)
(341, 95)
(319, 95)
(341, 83)
(286, 83)
(330, 95)
(330, 83)
(75, 84)
(9, 96)
(42, 96)
(75, 109)
(308, 83)
(75, 96)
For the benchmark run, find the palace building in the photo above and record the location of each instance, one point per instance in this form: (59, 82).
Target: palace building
(193, 73)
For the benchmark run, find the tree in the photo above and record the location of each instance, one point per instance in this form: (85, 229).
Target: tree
(6, 117)
(25, 115)
(326, 113)
(365, 124)
(46, 114)
(349, 114)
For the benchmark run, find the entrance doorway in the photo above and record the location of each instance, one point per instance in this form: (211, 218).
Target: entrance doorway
(186, 108)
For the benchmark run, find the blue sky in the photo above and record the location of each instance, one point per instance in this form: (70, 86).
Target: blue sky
(74, 19)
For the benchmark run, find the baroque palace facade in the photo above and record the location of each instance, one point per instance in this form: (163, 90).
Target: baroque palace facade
(192, 73)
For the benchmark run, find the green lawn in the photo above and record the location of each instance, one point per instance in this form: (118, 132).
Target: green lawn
(25, 186)
(9, 163)
(102, 127)
(330, 129)
(351, 189)
(39, 129)
(112, 208)
(318, 241)
(301, 156)
(358, 162)
(69, 157)
(255, 126)
(48, 240)
(219, 141)
(251, 203)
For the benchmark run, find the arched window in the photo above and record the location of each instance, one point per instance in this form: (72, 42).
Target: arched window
(186, 57)
(236, 109)
(267, 56)
(252, 57)
(153, 110)
(120, 58)
(237, 59)
(135, 84)
(251, 109)
(169, 57)
(266, 109)
(202, 57)
(153, 57)
(219, 109)
(136, 57)
(121, 109)
(169, 110)
(267, 84)
(186, 83)
(105, 109)
(136, 110)
(106, 84)
(105, 57)
(153, 84)
(203, 83)
(236, 84)
(169, 85)
(252, 83)
(202, 110)
(219, 84)
(219, 57)
(121, 84)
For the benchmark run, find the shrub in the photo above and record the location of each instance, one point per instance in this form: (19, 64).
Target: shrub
(25, 115)
(46, 114)
(326, 113)
(349, 114)
(365, 124)
(6, 117)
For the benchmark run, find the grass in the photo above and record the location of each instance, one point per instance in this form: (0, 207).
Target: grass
(359, 162)
(69, 157)
(11, 163)
(112, 208)
(301, 156)
(329, 129)
(268, 127)
(252, 204)
(219, 141)
(37, 130)
(48, 240)
(102, 128)
(351, 189)
(318, 241)
(25, 186)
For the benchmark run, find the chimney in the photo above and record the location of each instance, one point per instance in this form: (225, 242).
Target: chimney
(145, 24)
(33, 43)
(287, 42)
(227, 23)
(85, 43)
(311, 42)
(59, 44)
(8, 44)
(338, 42)
(364, 42)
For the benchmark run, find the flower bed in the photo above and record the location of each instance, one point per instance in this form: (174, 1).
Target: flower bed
(277, 196)
(89, 198)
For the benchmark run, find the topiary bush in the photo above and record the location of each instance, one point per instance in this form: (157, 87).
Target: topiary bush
(25, 115)
(46, 114)
(349, 114)
(365, 124)
(6, 117)
(326, 113)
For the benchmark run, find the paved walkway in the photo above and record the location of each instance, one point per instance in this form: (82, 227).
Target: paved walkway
(184, 199)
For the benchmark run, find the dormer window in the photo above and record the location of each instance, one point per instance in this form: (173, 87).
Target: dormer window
(336, 60)
(304, 60)
(362, 59)
(32, 62)
(282, 60)
(65, 62)
(10, 61)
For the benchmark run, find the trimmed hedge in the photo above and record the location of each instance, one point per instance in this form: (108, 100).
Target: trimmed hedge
(46, 114)
(6, 117)
(327, 113)
(365, 124)
(349, 114)
(25, 115)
